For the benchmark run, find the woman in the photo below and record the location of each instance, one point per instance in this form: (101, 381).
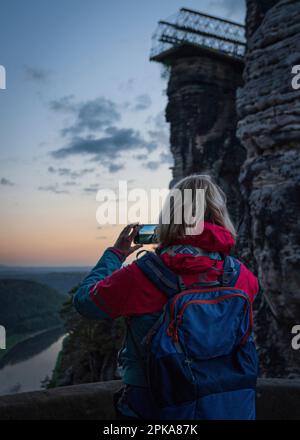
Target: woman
(110, 291)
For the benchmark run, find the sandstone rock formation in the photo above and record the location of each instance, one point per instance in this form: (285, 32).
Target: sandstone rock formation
(202, 116)
(256, 10)
(269, 128)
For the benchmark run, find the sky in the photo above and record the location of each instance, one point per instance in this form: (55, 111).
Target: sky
(82, 110)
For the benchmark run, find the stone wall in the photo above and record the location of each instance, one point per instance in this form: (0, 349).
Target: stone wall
(269, 128)
(201, 111)
(93, 401)
(276, 400)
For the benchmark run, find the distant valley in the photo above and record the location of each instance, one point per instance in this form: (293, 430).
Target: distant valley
(60, 279)
(31, 300)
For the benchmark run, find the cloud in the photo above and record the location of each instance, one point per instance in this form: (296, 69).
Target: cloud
(53, 188)
(37, 74)
(231, 9)
(70, 183)
(6, 182)
(105, 148)
(93, 188)
(94, 133)
(141, 156)
(166, 157)
(127, 86)
(158, 120)
(90, 116)
(143, 102)
(114, 167)
(159, 132)
(67, 172)
(64, 104)
(153, 165)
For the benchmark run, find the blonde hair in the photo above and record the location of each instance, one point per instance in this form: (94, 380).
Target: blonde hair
(215, 208)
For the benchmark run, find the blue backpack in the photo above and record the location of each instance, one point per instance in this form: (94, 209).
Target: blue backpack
(201, 359)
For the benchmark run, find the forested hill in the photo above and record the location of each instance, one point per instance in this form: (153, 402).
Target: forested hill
(61, 280)
(28, 307)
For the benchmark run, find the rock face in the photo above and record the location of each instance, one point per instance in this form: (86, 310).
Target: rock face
(256, 11)
(269, 128)
(202, 116)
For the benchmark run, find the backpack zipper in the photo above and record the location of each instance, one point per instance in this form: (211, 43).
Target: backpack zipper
(189, 291)
(172, 329)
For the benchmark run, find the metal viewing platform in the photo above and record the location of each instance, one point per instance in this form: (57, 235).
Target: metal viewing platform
(190, 27)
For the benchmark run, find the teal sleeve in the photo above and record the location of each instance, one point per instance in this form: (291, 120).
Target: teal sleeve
(110, 261)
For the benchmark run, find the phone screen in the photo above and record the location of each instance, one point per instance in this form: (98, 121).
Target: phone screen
(147, 235)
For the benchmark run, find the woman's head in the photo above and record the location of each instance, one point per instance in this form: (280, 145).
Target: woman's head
(215, 209)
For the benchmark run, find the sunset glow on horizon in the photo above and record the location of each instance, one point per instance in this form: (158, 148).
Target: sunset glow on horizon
(81, 111)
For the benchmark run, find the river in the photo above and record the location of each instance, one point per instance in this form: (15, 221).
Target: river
(30, 362)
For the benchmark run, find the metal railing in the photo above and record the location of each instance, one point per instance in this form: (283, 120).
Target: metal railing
(203, 30)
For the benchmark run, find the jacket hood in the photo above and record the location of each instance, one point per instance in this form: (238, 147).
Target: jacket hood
(214, 238)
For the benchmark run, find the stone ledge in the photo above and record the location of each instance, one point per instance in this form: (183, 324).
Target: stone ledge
(84, 401)
(276, 399)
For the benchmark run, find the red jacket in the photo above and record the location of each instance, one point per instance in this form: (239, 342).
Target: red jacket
(128, 292)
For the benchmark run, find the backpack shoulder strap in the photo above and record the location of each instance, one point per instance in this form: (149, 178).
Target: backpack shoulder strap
(157, 272)
(232, 268)
(170, 283)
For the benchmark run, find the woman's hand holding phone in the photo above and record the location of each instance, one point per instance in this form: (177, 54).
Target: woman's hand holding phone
(126, 238)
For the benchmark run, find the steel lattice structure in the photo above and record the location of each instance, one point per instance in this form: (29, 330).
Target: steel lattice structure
(193, 27)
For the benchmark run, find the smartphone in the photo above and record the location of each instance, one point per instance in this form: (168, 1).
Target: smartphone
(147, 235)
